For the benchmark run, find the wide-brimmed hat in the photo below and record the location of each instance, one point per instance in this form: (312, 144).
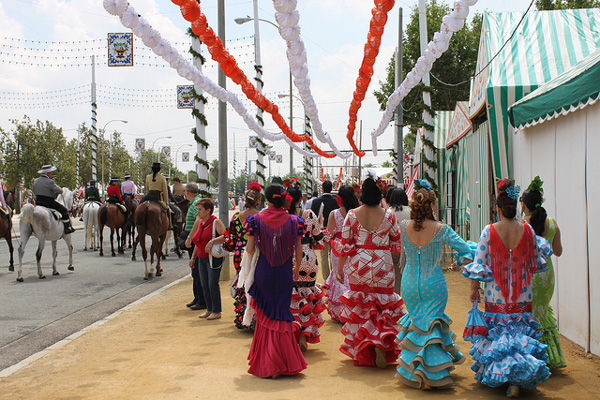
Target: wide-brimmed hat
(127, 176)
(114, 179)
(92, 182)
(156, 165)
(47, 168)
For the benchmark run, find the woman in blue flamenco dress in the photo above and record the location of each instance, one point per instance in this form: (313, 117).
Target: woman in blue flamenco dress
(507, 256)
(428, 349)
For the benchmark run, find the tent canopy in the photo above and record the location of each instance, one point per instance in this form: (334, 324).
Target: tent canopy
(573, 89)
(544, 45)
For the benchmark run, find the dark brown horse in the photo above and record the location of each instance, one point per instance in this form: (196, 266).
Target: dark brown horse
(5, 232)
(131, 203)
(112, 216)
(152, 219)
(9, 197)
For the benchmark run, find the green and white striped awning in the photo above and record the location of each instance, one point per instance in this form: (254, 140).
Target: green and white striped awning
(574, 89)
(545, 44)
(441, 126)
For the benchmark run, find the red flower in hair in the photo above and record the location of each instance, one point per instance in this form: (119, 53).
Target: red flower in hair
(382, 185)
(288, 201)
(292, 180)
(255, 185)
(356, 187)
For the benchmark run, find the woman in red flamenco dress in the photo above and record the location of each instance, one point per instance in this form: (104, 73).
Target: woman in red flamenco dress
(371, 309)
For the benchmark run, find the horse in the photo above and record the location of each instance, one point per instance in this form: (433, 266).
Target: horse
(176, 229)
(6, 233)
(151, 219)
(91, 225)
(9, 198)
(41, 222)
(110, 215)
(131, 203)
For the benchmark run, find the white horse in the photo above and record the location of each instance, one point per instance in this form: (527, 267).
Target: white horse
(40, 222)
(91, 225)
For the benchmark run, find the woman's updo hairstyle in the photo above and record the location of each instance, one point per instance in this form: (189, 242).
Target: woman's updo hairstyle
(275, 189)
(370, 194)
(533, 197)
(349, 200)
(296, 194)
(420, 206)
(253, 196)
(507, 198)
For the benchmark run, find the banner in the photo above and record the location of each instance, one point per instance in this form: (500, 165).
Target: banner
(272, 155)
(166, 151)
(185, 156)
(253, 142)
(185, 97)
(140, 144)
(120, 49)
(279, 158)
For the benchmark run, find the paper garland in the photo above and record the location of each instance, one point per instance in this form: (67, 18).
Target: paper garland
(141, 27)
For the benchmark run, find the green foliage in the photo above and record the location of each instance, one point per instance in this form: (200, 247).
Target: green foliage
(565, 4)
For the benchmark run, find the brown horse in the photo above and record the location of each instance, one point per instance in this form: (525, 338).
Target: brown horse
(5, 232)
(9, 197)
(151, 219)
(112, 216)
(131, 203)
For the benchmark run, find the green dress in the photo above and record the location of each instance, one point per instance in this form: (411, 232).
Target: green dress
(543, 289)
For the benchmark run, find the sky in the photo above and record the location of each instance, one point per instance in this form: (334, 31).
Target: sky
(33, 32)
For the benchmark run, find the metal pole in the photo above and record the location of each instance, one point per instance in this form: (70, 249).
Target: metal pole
(110, 155)
(223, 189)
(94, 121)
(399, 115)
(427, 134)
(291, 126)
(257, 60)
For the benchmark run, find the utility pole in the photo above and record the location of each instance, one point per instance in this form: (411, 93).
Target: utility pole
(427, 134)
(223, 184)
(399, 115)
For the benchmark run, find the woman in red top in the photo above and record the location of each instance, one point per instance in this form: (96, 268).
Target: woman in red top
(209, 268)
(114, 193)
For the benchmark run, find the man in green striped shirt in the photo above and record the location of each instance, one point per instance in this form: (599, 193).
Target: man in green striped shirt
(191, 193)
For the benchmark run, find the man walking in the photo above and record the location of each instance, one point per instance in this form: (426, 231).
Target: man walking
(329, 204)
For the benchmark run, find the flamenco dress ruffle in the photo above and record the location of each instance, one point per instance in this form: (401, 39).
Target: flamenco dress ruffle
(370, 320)
(556, 358)
(335, 289)
(274, 349)
(308, 302)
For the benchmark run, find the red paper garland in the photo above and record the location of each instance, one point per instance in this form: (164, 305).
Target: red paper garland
(378, 21)
(190, 10)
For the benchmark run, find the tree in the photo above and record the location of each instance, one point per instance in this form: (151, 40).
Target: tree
(565, 4)
(386, 164)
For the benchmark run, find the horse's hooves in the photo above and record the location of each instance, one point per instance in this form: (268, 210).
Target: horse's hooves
(129, 246)
(158, 273)
(11, 268)
(71, 268)
(146, 277)
(20, 279)
(113, 254)
(164, 257)
(84, 249)
(55, 273)
(101, 254)
(133, 258)
(42, 276)
(180, 255)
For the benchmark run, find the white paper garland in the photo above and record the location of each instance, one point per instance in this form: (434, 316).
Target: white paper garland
(151, 38)
(451, 23)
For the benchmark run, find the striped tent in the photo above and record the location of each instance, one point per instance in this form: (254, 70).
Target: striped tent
(441, 126)
(544, 45)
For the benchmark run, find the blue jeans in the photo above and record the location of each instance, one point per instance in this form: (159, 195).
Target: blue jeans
(197, 286)
(209, 278)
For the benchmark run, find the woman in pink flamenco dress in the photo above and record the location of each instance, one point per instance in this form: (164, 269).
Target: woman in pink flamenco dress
(371, 309)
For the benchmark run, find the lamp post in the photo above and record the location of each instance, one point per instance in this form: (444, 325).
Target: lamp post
(110, 159)
(176, 155)
(156, 140)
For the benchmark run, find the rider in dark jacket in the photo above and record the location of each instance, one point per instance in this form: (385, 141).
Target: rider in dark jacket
(91, 193)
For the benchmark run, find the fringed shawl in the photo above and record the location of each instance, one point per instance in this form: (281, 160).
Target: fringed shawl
(277, 244)
(512, 268)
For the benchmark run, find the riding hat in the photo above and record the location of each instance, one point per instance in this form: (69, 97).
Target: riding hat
(114, 179)
(47, 168)
(156, 165)
(92, 182)
(127, 176)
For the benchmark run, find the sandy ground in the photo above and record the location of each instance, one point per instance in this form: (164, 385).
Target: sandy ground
(158, 349)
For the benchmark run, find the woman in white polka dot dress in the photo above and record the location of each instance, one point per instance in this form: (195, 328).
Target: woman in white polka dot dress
(507, 256)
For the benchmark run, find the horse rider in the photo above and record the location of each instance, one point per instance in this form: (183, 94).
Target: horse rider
(157, 189)
(178, 189)
(176, 211)
(92, 193)
(46, 190)
(128, 187)
(114, 193)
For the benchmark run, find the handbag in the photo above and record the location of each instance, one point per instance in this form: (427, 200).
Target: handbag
(217, 250)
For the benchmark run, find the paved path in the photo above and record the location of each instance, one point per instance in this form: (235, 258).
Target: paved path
(158, 349)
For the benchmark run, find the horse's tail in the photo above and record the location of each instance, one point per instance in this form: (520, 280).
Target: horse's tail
(27, 213)
(140, 214)
(103, 215)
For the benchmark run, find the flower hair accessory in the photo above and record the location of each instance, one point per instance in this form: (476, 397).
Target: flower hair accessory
(356, 188)
(382, 185)
(255, 185)
(372, 174)
(422, 184)
(536, 185)
(287, 202)
(508, 186)
(291, 181)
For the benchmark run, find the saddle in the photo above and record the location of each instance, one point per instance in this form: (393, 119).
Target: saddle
(162, 204)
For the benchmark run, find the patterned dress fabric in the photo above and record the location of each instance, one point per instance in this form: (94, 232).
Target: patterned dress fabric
(371, 309)
(335, 289)
(236, 244)
(543, 289)
(274, 350)
(511, 352)
(428, 349)
(308, 299)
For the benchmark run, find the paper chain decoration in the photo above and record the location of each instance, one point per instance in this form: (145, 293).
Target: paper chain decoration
(151, 38)
(287, 18)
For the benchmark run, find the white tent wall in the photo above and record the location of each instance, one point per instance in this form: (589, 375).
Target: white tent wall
(564, 152)
(477, 157)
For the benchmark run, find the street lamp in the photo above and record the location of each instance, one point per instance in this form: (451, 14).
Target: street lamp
(110, 159)
(156, 140)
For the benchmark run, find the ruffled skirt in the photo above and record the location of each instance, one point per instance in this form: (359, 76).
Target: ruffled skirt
(307, 305)
(335, 289)
(274, 350)
(427, 356)
(370, 320)
(511, 353)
